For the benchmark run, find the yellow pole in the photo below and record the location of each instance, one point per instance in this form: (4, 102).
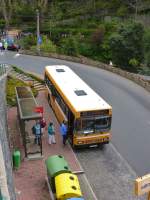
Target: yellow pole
(148, 196)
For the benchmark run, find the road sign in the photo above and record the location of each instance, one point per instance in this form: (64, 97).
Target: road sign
(39, 40)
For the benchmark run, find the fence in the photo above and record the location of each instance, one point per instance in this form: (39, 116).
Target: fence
(4, 68)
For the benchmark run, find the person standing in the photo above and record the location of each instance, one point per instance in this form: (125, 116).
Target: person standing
(51, 134)
(43, 124)
(5, 45)
(1, 46)
(38, 132)
(63, 131)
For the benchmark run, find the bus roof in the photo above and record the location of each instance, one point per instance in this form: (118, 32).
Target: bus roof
(75, 90)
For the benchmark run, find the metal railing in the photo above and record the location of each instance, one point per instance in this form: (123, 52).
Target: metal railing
(4, 195)
(4, 68)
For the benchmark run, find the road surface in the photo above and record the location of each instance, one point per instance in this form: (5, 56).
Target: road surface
(130, 127)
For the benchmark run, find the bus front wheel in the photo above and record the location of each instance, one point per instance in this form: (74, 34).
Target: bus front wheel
(101, 146)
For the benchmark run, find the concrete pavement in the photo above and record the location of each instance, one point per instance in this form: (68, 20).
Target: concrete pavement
(30, 181)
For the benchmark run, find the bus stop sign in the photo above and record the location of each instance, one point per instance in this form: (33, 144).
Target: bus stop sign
(39, 109)
(39, 40)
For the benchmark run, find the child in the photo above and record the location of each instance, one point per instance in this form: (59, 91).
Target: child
(51, 134)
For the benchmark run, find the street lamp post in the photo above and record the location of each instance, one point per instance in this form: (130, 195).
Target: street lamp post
(38, 31)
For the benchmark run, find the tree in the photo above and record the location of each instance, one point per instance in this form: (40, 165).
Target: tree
(98, 36)
(147, 47)
(6, 9)
(137, 5)
(127, 45)
(10, 7)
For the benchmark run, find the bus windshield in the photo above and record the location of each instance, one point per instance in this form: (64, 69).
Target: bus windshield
(92, 125)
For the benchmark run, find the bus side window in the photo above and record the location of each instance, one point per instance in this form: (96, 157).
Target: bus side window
(53, 90)
(47, 81)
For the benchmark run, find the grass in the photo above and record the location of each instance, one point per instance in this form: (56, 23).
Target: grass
(11, 94)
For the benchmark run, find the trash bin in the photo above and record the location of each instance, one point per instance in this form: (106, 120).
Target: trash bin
(56, 165)
(16, 159)
(67, 186)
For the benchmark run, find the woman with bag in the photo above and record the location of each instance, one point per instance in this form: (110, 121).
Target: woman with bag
(43, 124)
(51, 134)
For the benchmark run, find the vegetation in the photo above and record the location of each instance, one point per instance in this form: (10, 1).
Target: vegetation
(11, 95)
(147, 47)
(126, 46)
(102, 30)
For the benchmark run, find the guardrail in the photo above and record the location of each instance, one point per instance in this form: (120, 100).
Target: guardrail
(4, 68)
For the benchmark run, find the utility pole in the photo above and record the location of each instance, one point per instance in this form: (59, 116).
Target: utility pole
(136, 9)
(38, 31)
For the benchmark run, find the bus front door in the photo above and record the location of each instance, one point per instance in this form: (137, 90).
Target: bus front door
(70, 126)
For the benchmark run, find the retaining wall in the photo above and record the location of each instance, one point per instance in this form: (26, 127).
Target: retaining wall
(131, 76)
(4, 138)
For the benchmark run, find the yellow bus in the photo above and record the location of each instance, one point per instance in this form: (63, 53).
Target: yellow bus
(88, 116)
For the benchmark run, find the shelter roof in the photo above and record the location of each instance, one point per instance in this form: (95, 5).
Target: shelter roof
(26, 104)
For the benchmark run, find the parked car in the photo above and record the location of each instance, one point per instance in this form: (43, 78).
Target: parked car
(13, 47)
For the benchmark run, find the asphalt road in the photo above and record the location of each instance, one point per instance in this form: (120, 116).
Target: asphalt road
(130, 128)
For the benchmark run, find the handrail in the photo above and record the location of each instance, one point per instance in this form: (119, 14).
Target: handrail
(4, 68)
(3, 177)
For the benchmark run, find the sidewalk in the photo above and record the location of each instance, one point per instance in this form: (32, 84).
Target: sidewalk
(29, 180)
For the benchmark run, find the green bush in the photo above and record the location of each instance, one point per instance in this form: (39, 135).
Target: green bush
(2, 23)
(146, 41)
(85, 49)
(133, 62)
(69, 46)
(47, 45)
(28, 41)
(147, 59)
(127, 45)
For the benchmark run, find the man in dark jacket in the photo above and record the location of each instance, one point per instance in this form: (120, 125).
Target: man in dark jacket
(36, 129)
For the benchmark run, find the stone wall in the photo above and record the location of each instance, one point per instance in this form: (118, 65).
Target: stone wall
(131, 76)
(4, 138)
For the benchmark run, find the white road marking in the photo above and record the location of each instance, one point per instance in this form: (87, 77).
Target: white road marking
(1, 53)
(16, 55)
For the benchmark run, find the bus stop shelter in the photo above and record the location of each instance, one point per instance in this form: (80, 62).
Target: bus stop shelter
(28, 115)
